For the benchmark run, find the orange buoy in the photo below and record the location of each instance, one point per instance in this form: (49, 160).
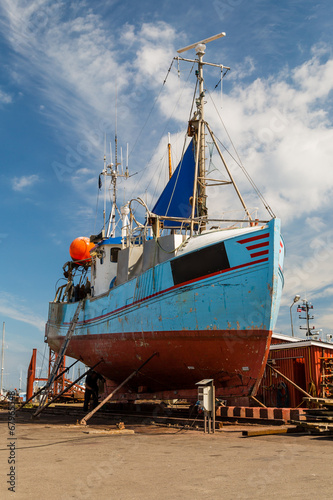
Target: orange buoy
(80, 248)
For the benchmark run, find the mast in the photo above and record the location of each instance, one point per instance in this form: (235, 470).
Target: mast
(202, 207)
(196, 129)
(112, 171)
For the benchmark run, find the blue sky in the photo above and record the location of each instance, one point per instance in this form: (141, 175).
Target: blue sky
(61, 63)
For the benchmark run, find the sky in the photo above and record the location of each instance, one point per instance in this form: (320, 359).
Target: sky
(64, 65)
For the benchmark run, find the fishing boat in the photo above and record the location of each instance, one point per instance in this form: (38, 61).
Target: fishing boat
(197, 296)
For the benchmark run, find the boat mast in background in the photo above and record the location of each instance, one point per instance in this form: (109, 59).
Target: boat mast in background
(112, 170)
(2, 357)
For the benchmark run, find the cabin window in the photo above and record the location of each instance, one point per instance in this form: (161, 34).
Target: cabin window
(114, 254)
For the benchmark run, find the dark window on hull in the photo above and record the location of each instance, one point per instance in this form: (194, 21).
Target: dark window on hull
(200, 263)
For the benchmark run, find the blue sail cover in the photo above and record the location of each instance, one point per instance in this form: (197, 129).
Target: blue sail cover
(175, 198)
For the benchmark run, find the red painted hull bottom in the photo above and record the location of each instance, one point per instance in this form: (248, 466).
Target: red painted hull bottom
(235, 359)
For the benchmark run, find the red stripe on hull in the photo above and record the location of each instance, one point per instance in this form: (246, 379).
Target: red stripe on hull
(235, 359)
(254, 238)
(258, 245)
(259, 254)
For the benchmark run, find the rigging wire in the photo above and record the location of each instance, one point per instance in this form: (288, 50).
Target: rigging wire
(183, 151)
(144, 125)
(222, 76)
(152, 108)
(96, 214)
(161, 167)
(240, 164)
(167, 122)
(190, 114)
(43, 359)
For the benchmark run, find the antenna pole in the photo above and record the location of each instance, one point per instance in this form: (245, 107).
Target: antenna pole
(116, 138)
(105, 175)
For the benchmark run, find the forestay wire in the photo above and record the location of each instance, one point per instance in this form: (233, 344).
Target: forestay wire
(238, 161)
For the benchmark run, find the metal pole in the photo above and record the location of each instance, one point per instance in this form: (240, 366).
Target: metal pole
(202, 169)
(291, 320)
(2, 356)
(83, 421)
(229, 173)
(169, 153)
(202, 209)
(42, 388)
(308, 334)
(214, 409)
(290, 381)
(195, 180)
(39, 410)
(259, 402)
(296, 299)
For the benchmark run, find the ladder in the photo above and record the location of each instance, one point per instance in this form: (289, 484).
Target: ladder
(327, 377)
(59, 359)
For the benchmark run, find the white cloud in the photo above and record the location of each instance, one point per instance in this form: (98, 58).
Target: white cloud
(13, 307)
(285, 136)
(243, 70)
(315, 223)
(5, 98)
(280, 123)
(81, 65)
(23, 182)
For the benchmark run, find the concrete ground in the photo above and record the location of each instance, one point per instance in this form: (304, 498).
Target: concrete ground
(55, 459)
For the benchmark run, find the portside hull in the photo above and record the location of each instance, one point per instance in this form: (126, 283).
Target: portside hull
(212, 320)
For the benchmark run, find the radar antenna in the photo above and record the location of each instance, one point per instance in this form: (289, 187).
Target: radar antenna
(206, 40)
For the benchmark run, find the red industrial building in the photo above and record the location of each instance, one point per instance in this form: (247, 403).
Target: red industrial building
(306, 363)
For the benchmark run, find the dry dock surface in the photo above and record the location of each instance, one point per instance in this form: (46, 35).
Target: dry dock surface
(55, 459)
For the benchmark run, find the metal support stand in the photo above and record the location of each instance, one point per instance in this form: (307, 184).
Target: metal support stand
(84, 420)
(60, 357)
(288, 380)
(41, 408)
(43, 388)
